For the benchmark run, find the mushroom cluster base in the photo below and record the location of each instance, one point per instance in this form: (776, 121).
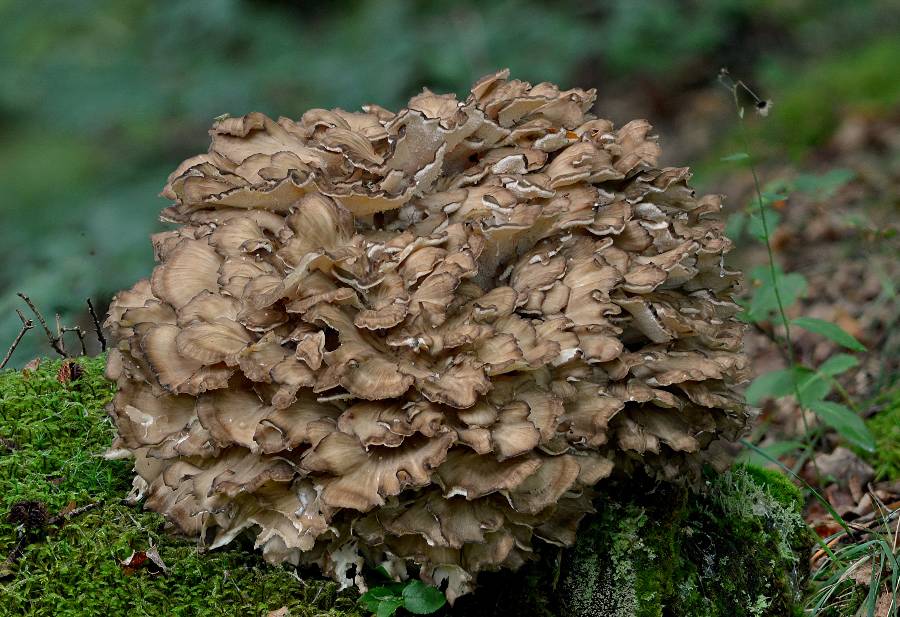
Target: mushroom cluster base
(422, 339)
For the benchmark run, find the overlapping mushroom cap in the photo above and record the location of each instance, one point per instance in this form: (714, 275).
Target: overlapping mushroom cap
(424, 337)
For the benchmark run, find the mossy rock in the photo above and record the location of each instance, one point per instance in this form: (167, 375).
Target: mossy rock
(739, 548)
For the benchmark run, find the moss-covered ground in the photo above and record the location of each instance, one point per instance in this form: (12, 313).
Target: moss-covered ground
(885, 427)
(53, 437)
(737, 549)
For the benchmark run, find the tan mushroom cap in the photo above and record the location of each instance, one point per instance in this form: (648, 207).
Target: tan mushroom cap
(424, 338)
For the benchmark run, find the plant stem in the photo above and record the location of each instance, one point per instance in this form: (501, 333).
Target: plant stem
(773, 271)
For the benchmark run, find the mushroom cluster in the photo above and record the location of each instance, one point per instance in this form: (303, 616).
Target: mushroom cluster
(422, 338)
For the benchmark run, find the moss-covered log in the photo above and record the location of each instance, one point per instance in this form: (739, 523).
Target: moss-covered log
(738, 549)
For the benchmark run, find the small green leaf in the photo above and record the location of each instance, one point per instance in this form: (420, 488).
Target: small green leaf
(845, 422)
(383, 572)
(824, 185)
(774, 195)
(764, 301)
(770, 385)
(422, 599)
(812, 387)
(755, 225)
(388, 607)
(837, 364)
(737, 156)
(373, 598)
(829, 330)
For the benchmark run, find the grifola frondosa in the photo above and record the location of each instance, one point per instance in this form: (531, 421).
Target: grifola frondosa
(424, 337)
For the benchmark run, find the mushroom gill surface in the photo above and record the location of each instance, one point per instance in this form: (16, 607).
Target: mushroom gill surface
(422, 338)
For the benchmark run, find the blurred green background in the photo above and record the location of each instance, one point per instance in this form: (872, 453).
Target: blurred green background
(101, 99)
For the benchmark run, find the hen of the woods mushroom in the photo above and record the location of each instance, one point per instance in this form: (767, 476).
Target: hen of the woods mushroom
(422, 338)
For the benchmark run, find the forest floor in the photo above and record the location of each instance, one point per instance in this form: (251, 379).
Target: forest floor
(838, 228)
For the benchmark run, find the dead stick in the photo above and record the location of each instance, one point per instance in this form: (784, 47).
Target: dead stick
(54, 343)
(59, 518)
(60, 336)
(97, 328)
(77, 330)
(27, 325)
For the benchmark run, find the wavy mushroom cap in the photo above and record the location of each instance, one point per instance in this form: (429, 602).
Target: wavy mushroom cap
(424, 337)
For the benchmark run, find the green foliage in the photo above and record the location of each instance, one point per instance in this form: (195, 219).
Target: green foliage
(775, 292)
(763, 304)
(813, 387)
(845, 421)
(816, 186)
(885, 426)
(413, 595)
(773, 384)
(53, 438)
(837, 364)
(828, 330)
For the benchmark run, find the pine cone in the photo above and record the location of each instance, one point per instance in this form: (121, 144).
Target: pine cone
(424, 337)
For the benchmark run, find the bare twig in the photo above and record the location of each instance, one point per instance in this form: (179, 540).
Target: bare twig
(54, 340)
(77, 330)
(59, 337)
(27, 325)
(62, 517)
(98, 330)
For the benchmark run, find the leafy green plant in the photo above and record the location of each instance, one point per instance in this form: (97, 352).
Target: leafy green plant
(412, 595)
(837, 589)
(776, 291)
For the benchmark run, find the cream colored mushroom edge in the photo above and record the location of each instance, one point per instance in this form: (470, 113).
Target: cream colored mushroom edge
(423, 339)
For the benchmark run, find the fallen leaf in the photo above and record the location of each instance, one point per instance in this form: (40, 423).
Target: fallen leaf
(148, 559)
(134, 561)
(31, 367)
(153, 556)
(885, 604)
(843, 465)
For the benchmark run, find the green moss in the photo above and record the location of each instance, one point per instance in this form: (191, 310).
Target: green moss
(778, 486)
(736, 550)
(626, 564)
(53, 438)
(649, 551)
(885, 427)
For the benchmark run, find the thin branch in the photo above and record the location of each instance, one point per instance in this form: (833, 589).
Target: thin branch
(62, 517)
(77, 330)
(27, 325)
(59, 337)
(54, 341)
(98, 330)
